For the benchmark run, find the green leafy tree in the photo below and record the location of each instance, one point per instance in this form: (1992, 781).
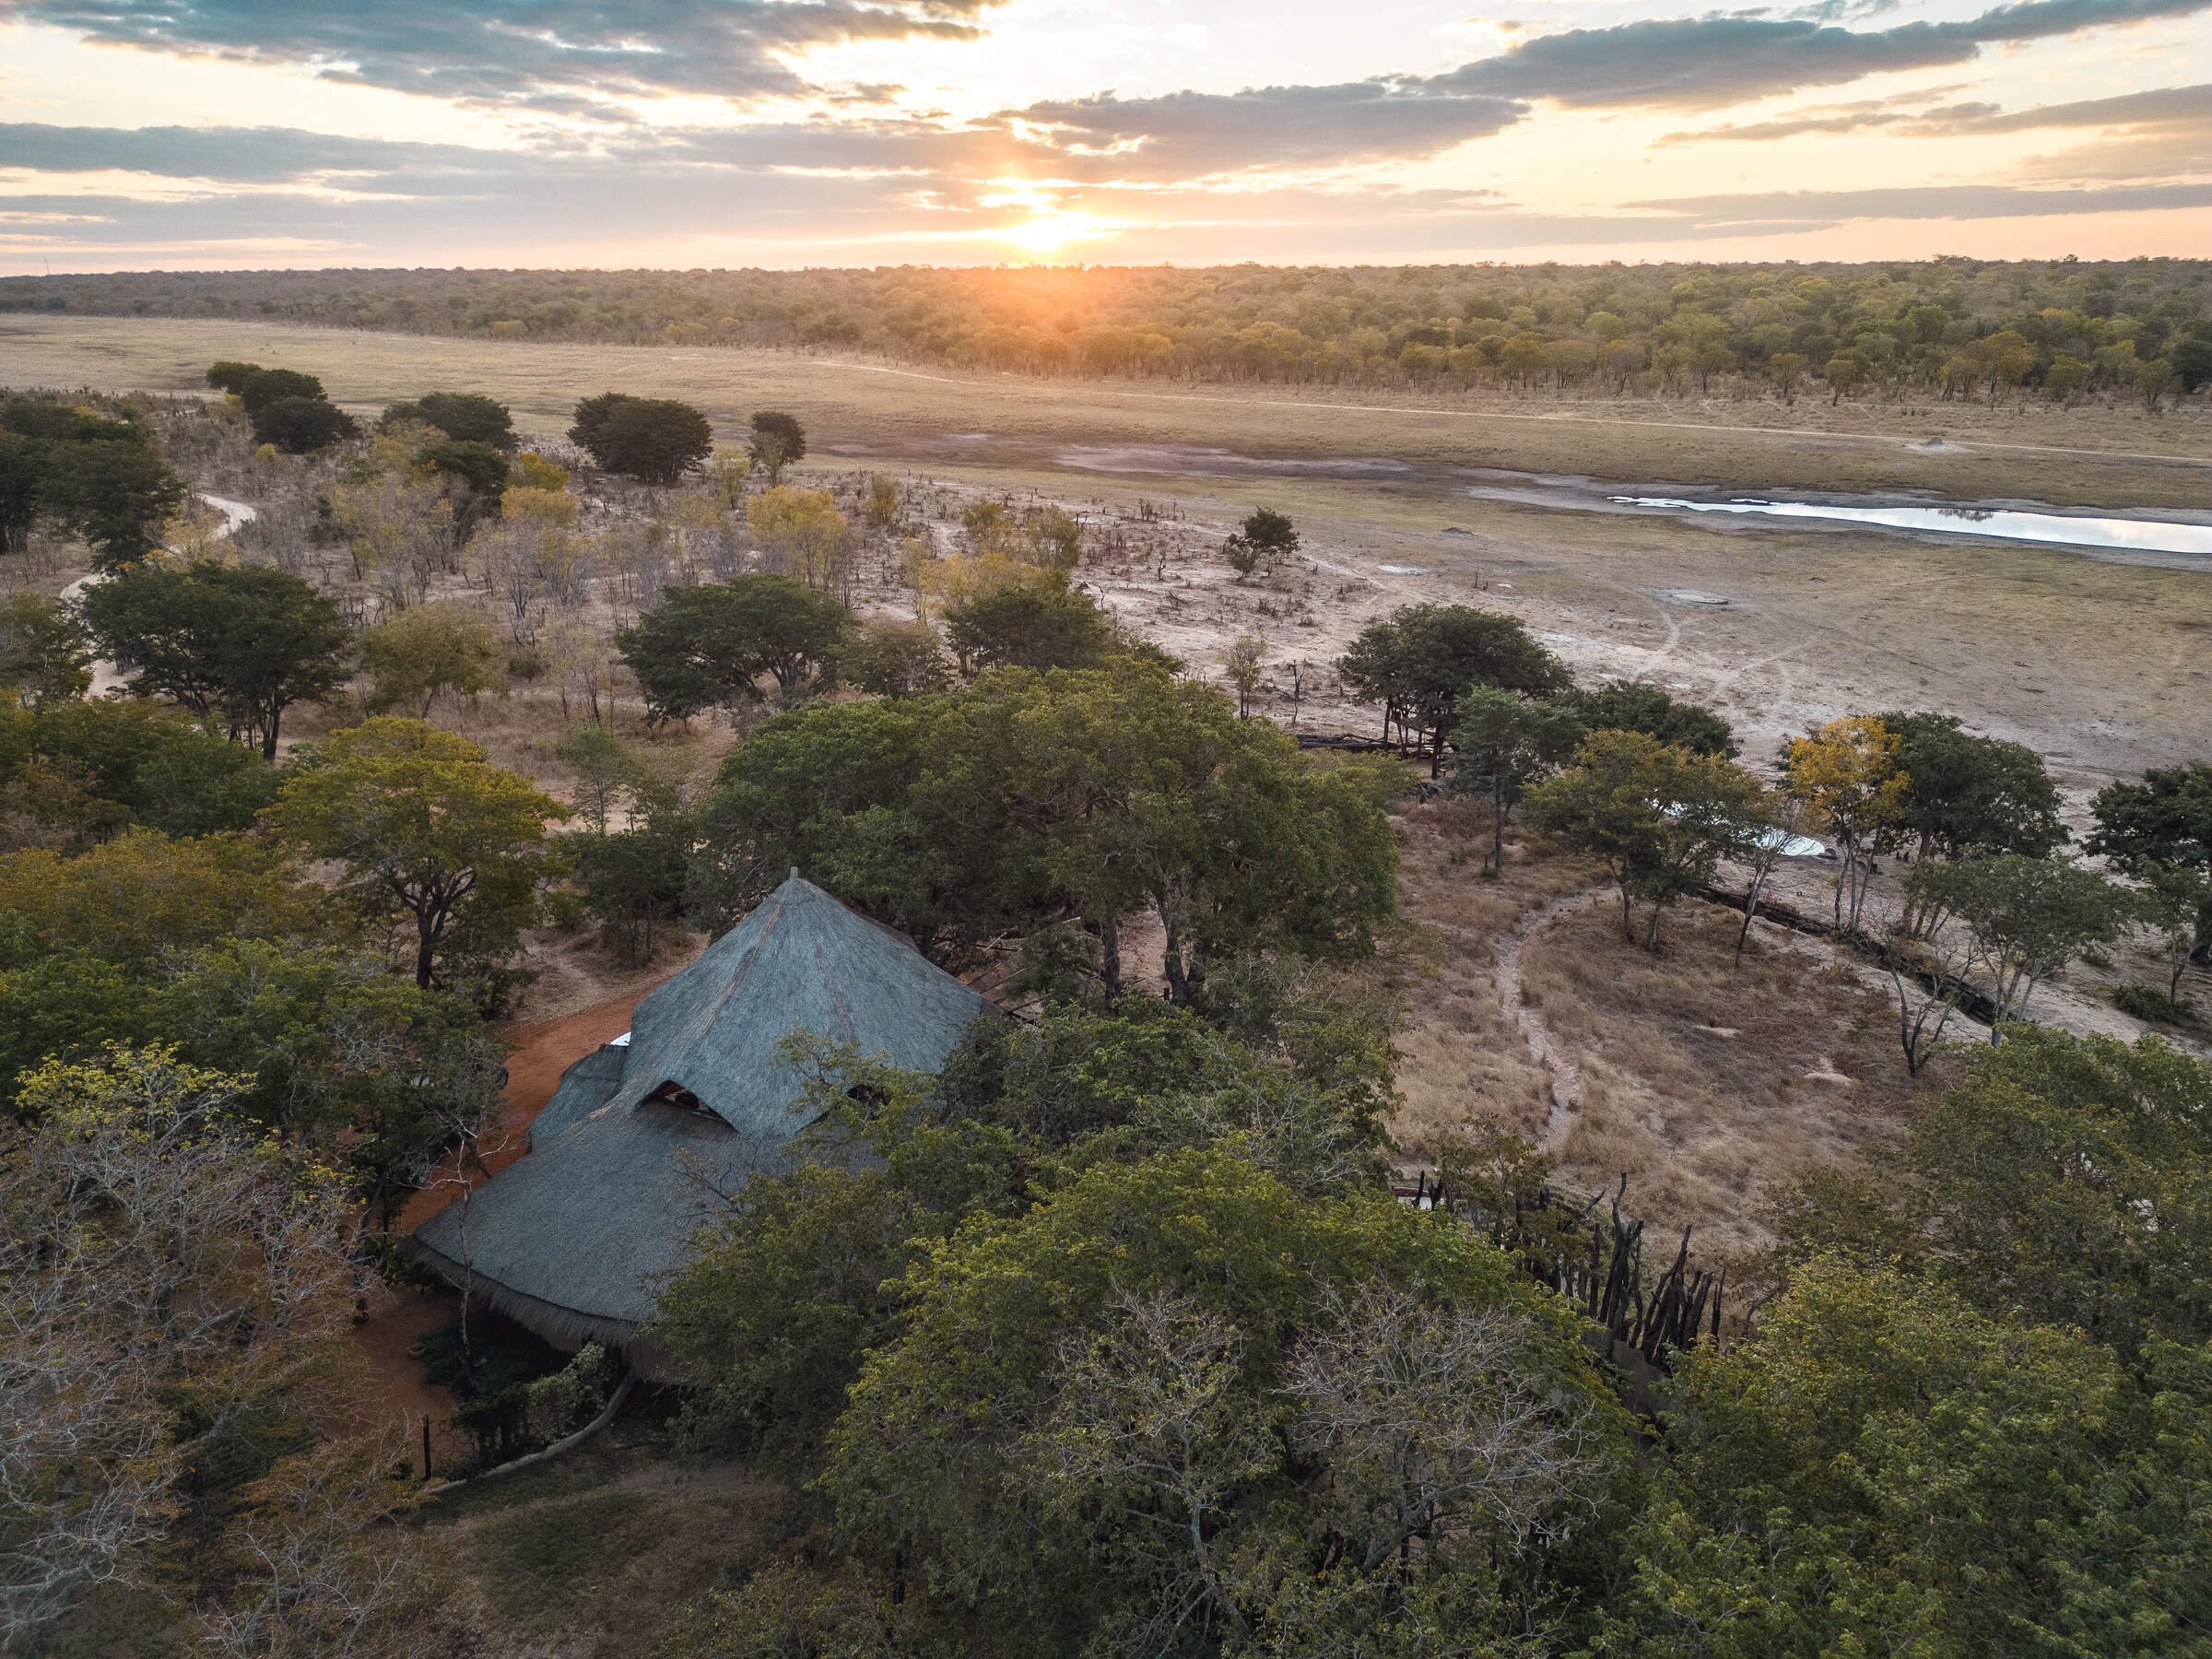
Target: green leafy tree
(130, 899)
(1507, 742)
(796, 1280)
(1886, 1470)
(653, 440)
(2192, 361)
(1420, 663)
(426, 831)
(45, 655)
(331, 1050)
(479, 469)
(2174, 901)
(116, 495)
(300, 426)
(22, 472)
(154, 765)
(776, 441)
(261, 387)
(230, 376)
(2029, 917)
(1632, 706)
(2166, 819)
(1660, 818)
(1265, 537)
(607, 771)
(1154, 1408)
(463, 417)
(429, 649)
(1242, 663)
(1027, 625)
(633, 881)
(1301, 1093)
(1965, 794)
(2067, 1181)
(1032, 800)
(894, 658)
(707, 647)
(238, 642)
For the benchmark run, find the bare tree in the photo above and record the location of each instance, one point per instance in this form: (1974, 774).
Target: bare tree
(1148, 1437)
(316, 1573)
(1438, 1426)
(166, 1272)
(1927, 972)
(461, 1127)
(1765, 843)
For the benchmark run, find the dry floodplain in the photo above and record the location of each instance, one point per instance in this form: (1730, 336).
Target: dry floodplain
(1703, 1081)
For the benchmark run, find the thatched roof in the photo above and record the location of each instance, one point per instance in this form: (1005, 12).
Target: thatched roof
(571, 1237)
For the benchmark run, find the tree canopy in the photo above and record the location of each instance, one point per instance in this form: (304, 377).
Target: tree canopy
(776, 441)
(1027, 625)
(654, 439)
(84, 472)
(1032, 799)
(462, 416)
(239, 643)
(427, 831)
(707, 646)
(2165, 818)
(1420, 663)
(1633, 706)
(1965, 794)
(1660, 818)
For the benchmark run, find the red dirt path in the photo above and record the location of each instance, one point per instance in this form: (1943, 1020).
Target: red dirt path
(391, 1382)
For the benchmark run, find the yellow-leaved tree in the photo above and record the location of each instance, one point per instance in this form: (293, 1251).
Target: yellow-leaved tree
(1847, 773)
(800, 533)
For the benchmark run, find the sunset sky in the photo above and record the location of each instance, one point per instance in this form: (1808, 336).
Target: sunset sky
(202, 134)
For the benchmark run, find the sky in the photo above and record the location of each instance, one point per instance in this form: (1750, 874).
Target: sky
(196, 135)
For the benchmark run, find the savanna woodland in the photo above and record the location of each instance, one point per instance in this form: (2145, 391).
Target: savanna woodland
(1155, 1323)
(2060, 331)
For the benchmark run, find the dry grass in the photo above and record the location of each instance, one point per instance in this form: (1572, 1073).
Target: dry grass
(1702, 1082)
(1461, 1060)
(586, 1559)
(1706, 1083)
(2074, 455)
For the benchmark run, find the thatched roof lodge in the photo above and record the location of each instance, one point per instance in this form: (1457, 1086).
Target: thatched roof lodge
(623, 1159)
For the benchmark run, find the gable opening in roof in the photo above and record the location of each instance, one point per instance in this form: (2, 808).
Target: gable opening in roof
(673, 1093)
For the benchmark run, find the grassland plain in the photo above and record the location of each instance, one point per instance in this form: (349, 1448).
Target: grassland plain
(2084, 456)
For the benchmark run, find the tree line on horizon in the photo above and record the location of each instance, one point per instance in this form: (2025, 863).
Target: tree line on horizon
(1949, 327)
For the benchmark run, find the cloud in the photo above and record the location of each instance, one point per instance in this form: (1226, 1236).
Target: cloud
(1193, 135)
(1856, 120)
(1704, 63)
(2162, 106)
(1799, 209)
(227, 155)
(556, 56)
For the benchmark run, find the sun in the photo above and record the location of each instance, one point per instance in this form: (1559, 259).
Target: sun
(1048, 232)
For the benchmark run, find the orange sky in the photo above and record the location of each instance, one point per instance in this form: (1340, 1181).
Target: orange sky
(197, 134)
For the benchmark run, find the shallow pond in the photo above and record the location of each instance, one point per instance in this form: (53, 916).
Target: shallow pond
(2141, 535)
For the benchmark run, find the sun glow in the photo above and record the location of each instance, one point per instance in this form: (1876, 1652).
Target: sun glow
(1049, 232)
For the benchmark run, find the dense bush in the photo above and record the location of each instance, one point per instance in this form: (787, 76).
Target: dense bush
(1945, 327)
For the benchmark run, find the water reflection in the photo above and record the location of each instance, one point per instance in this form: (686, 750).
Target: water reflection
(2147, 535)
